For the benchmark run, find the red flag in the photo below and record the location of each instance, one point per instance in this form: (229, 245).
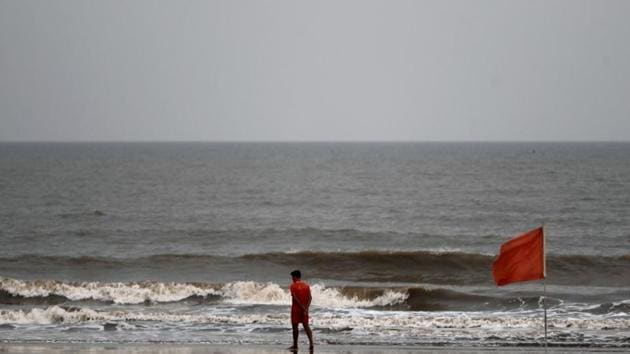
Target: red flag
(521, 258)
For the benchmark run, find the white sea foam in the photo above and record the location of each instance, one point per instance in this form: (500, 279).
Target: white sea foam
(56, 314)
(332, 298)
(242, 292)
(120, 293)
(361, 320)
(249, 292)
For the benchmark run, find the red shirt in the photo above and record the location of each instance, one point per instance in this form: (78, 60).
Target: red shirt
(301, 292)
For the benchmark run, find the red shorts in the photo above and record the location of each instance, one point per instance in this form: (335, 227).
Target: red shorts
(299, 317)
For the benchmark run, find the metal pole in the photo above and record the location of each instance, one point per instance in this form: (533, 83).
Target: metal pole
(544, 299)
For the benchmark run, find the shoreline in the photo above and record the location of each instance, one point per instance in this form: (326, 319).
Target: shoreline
(198, 348)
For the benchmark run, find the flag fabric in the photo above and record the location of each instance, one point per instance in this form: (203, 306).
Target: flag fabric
(521, 259)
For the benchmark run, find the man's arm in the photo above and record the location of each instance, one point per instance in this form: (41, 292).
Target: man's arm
(308, 302)
(295, 299)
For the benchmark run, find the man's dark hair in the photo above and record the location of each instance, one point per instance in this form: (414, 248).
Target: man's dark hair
(297, 274)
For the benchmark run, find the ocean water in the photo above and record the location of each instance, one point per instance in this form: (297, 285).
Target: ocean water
(194, 242)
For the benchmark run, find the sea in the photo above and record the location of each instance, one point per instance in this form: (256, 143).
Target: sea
(194, 242)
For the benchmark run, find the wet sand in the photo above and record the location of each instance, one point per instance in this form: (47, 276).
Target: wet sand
(269, 349)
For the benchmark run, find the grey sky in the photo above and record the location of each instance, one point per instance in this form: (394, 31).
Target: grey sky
(314, 70)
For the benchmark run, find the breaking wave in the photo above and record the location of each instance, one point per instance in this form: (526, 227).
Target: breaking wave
(328, 320)
(119, 293)
(14, 291)
(396, 298)
(60, 314)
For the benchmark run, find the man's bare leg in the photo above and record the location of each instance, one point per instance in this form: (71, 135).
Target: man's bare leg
(295, 336)
(309, 333)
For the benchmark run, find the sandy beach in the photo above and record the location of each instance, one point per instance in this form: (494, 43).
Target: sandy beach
(269, 349)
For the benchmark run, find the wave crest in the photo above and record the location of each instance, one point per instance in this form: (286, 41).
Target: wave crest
(119, 293)
(242, 292)
(427, 267)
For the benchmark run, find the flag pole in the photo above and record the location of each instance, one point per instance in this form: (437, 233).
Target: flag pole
(545, 309)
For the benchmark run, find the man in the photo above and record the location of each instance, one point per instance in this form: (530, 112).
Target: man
(300, 302)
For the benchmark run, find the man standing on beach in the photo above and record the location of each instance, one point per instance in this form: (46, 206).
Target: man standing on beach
(300, 302)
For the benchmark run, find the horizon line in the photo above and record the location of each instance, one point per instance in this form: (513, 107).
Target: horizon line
(303, 141)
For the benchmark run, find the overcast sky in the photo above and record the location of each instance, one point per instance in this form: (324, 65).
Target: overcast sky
(314, 70)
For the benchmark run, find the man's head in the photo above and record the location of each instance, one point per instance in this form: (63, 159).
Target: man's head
(296, 275)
